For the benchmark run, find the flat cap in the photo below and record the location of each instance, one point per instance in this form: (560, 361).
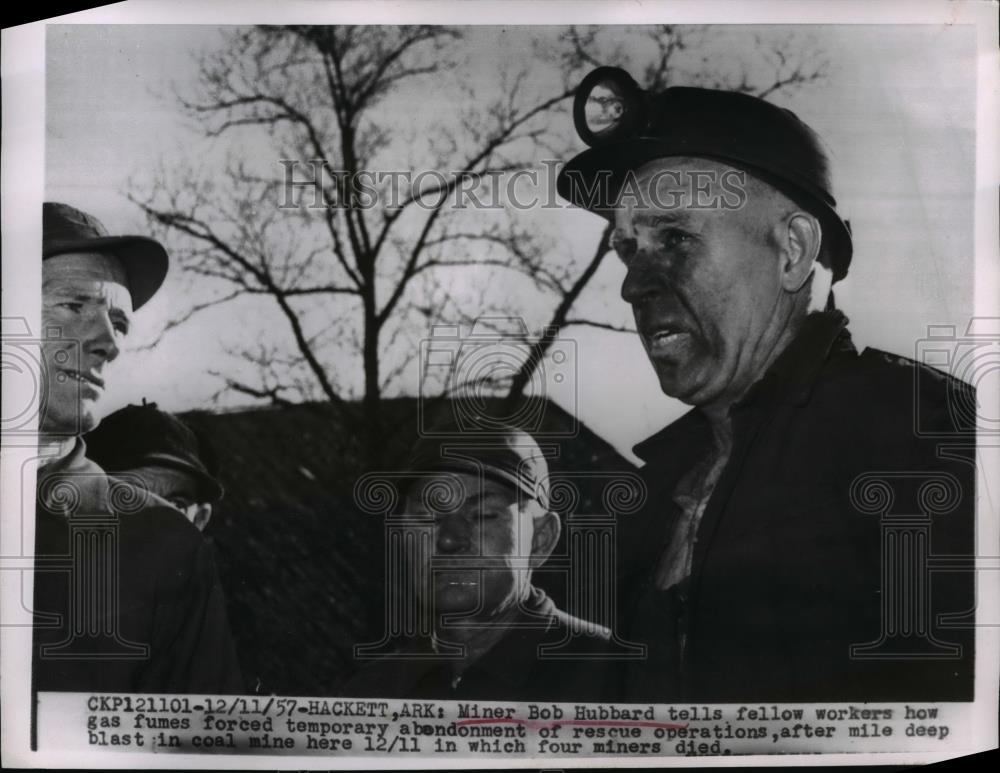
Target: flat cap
(510, 456)
(143, 435)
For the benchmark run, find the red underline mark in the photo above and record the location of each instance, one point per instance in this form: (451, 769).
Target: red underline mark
(536, 725)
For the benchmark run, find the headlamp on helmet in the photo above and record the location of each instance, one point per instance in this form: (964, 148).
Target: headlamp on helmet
(610, 106)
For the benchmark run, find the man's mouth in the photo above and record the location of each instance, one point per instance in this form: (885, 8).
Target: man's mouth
(664, 339)
(457, 575)
(85, 378)
(456, 580)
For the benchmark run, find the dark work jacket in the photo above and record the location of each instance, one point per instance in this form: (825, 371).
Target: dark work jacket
(126, 594)
(514, 669)
(842, 465)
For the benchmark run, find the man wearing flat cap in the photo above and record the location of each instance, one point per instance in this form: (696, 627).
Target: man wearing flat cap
(758, 571)
(126, 594)
(161, 451)
(480, 507)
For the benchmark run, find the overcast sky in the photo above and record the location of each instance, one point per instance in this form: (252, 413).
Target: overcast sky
(897, 113)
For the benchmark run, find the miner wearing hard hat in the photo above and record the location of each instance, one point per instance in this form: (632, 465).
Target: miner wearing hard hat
(759, 568)
(126, 595)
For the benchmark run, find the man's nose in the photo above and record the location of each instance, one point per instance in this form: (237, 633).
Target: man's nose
(101, 337)
(452, 534)
(642, 281)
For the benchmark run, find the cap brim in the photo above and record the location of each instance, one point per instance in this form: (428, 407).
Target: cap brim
(591, 179)
(580, 183)
(488, 471)
(144, 259)
(210, 488)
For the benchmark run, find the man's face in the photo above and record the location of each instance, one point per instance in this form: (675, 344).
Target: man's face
(703, 281)
(179, 488)
(487, 538)
(86, 312)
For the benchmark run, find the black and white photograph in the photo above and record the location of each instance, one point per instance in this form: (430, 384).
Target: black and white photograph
(424, 384)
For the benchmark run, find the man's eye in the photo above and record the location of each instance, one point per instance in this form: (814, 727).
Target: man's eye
(73, 306)
(119, 321)
(623, 245)
(674, 237)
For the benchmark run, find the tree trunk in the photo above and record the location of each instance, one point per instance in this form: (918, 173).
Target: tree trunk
(371, 424)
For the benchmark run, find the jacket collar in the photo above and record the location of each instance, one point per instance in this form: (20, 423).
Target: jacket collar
(513, 656)
(792, 376)
(790, 379)
(73, 485)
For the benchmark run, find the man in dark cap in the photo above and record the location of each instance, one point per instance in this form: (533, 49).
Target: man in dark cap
(161, 451)
(480, 509)
(757, 571)
(126, 595)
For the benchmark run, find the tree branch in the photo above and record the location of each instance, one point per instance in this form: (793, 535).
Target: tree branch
(601, 325)
(177, 321)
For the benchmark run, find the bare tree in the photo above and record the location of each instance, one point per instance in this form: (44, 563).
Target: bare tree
(351, 286)
(672, 56)
(340, 274)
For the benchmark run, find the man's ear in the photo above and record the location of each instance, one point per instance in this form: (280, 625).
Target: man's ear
(202, 514)
(545, 537)
(801, 238)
